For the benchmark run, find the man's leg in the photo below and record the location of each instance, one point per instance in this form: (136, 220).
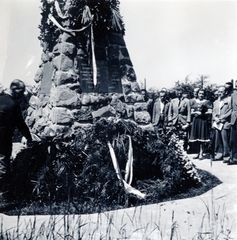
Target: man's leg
(233, 143)
(218, 145)
(225, 139)
(4, 171)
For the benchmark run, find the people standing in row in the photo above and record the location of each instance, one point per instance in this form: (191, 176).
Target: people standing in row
(201, 110)
(200, 122)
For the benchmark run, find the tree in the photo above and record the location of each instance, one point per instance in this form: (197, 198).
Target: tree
(201, 80)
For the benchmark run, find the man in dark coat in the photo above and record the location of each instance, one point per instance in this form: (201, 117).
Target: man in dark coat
(233, 130)
(10, 119)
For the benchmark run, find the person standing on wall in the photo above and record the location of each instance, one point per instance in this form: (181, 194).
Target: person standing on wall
(10, 119)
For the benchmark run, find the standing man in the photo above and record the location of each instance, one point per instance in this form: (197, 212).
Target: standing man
(10, 119)
(233, 129)
(221, 123)
(179, 115)
(160, 112)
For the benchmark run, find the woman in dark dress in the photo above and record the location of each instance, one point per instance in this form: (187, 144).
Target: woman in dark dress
(201, 110)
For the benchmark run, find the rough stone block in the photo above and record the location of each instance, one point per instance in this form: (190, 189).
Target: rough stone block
(34, 102)
(30, 110)
(82, 115)
(39, 126)
(141, 106)
(45, 57)
(148, 127)
(60, 115)
(38, 75)
(64, 97)
(130, 111)
(30, 120)
(63, 62)
(61, 77)
(133, 98)
(142, 117)
(85, 99)
(107, 111)
(67, 37)
(46, 112)
(66, 48)
(135, 86)
(55, 130)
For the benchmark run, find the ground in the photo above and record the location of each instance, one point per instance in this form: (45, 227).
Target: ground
(212, 215)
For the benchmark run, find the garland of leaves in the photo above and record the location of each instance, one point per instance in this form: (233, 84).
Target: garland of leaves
(79, 169)
(106, 17)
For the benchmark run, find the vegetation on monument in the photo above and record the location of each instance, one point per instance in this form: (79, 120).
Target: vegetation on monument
(106, 17)
(79, 172)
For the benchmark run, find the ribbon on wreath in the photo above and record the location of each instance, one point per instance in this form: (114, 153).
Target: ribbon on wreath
(129, 169)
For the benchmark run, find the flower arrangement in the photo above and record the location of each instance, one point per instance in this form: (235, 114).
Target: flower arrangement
(80, 169)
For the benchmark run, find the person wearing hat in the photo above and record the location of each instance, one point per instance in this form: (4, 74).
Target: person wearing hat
(233, 129)
(160, 111)
(10, 119)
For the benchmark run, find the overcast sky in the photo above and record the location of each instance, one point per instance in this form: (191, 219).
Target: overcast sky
(166, 40)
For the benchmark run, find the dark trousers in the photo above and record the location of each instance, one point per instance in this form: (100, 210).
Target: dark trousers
(4, 172)
(233, 142)
(222, 142)
(5, 154)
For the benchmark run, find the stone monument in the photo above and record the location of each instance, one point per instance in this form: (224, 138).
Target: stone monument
(85, 71)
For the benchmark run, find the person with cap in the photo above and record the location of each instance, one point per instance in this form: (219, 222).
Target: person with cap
(10, 119)
(179, 115)
(160, 112)
(233, 129)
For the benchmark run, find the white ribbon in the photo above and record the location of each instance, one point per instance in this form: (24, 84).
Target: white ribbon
(128, 188)
(59, 12)
(54, 21)
(94, 67)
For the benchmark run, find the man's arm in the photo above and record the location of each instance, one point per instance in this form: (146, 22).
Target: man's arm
(21, 125)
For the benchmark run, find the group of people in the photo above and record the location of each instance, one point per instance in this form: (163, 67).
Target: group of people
(201, 122)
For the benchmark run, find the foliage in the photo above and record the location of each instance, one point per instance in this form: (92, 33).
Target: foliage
(188, 86)
(79, 169)
(106, 17)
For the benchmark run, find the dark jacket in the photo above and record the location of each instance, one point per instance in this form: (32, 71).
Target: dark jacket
(10, 119)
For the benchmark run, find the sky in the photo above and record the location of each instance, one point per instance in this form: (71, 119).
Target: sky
(167, 40)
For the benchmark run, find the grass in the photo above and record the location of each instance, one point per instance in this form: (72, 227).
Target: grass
(136, 223)
(158, 221)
